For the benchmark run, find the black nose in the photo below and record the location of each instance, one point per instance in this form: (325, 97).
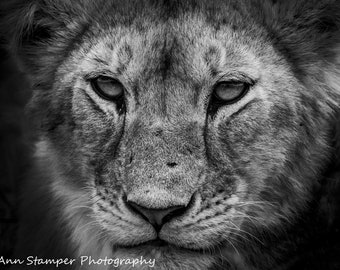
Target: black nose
(157, 217)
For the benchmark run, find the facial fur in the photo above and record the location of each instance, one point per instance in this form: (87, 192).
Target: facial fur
(242, 173)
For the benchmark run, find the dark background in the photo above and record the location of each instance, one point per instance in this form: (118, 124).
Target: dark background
(14, 146)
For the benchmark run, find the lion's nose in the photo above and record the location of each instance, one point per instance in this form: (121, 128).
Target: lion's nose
(157, 217)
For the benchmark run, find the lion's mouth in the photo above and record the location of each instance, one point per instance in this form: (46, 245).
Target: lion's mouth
(162, 245)
(155, 243)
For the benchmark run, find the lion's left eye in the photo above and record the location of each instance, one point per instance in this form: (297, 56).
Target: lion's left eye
(230, 92)
(107, 88)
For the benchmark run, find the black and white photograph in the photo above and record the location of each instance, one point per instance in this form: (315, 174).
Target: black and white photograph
(170, 134)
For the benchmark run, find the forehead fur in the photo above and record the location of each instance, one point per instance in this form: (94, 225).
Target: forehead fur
(305, 33)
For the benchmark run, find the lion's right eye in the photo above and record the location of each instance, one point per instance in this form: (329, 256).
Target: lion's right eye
(107, 88)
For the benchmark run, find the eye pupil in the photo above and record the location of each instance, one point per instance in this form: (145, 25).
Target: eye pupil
(107, 88)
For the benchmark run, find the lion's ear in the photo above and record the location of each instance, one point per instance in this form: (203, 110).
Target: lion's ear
(304, 31)
(25, 22)
(37, 31)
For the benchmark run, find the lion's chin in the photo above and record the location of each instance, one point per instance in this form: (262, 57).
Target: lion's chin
(165, 256)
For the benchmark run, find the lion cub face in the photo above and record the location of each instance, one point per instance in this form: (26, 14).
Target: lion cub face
(187, 136)
(180, 136)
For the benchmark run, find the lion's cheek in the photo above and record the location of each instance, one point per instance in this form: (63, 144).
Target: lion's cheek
(250, 148)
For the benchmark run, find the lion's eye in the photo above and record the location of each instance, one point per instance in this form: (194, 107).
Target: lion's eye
(230, 92)
(107, 87)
